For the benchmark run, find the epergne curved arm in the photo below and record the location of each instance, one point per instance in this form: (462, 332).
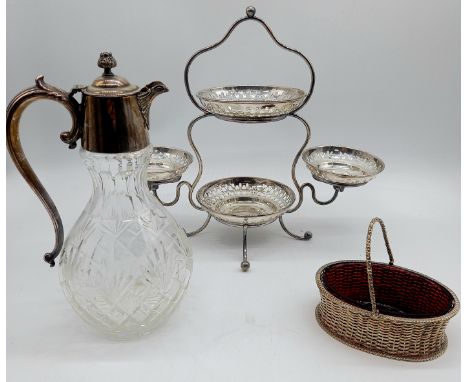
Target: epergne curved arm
(337, 189)
(42, 90)
(300, 188)
(190, 186)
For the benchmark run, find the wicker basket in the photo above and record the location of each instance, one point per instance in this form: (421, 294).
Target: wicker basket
(384, 309)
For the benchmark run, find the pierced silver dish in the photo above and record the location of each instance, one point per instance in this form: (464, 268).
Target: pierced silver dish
(342, 166)
(167, 165)
(245, 201)
(251, 103)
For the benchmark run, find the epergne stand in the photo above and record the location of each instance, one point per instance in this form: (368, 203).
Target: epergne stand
(249, 202)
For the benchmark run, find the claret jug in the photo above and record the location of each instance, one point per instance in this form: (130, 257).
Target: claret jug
(126, 262)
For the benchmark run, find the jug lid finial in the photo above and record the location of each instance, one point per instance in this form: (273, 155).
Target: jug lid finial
(107, 62)
(109, 84)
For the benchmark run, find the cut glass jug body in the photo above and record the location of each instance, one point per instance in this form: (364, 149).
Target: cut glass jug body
(126, 262)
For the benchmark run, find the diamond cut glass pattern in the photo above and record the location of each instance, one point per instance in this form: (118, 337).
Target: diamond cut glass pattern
(126, 262)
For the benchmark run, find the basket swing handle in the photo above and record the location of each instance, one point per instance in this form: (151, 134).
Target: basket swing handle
(370, 278)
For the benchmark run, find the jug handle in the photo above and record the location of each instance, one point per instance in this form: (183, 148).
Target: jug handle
(42, 90)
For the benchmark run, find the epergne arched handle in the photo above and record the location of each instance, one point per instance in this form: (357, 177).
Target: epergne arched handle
(16, 107)
(250, 15)
(370, 278)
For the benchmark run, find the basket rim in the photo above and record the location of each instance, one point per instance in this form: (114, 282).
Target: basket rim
(324, 291)
(428, 357)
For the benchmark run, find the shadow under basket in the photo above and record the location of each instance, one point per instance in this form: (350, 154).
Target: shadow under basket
(385, 309)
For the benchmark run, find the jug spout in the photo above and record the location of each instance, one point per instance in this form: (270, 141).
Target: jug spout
(146, 96)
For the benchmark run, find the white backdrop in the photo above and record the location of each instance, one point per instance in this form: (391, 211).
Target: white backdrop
(387, 81)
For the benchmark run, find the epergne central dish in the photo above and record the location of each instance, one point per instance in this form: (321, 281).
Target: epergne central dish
(251, 103)
(245, 201)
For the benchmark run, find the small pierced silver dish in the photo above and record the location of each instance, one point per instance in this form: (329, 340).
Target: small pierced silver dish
(245, 201)
(251, 103)
(342, 166)
(167, 165)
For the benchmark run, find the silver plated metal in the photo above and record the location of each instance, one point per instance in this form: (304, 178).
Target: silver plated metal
(167, 164)
(191, 186)
(342, 166)
(245, 265)
(307, 235)
(239, 201)
(245, 201)
(251, 103)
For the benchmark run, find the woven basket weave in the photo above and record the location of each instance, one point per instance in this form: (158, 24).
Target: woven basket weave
(384, 309)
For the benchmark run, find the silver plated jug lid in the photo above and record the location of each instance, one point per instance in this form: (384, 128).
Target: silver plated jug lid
(109, 84)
